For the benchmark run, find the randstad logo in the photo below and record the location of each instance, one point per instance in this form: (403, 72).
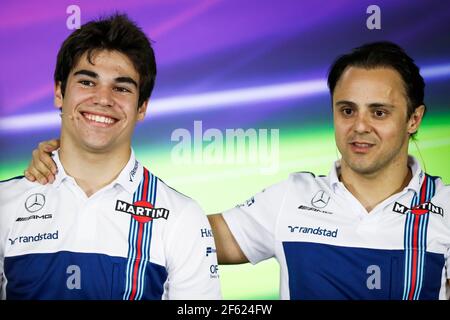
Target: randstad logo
(317, 231)
(35, 238)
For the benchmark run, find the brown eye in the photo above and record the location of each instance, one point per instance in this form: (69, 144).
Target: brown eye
(347, 111)
(121, 89)
(86, 83)
(380, 113)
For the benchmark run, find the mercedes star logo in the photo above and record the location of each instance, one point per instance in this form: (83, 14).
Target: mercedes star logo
(320, 200)
(35, 202)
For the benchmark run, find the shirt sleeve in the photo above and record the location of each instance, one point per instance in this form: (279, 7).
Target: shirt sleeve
(191, 258)
(253, 223)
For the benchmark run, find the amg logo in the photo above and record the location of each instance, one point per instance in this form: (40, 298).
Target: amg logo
(140, 210)
(34, 217)
(302, 207)
(419, 209)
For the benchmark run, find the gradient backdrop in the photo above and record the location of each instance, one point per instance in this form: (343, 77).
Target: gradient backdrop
(231, 64)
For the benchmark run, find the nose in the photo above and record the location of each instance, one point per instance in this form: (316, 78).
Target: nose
(362, 123)
(103, 96)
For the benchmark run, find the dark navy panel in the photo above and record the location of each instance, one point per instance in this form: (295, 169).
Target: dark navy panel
(155, 276)
(320, 271)
(45, 276)
(433, 276)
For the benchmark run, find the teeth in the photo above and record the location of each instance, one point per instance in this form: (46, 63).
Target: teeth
(362, 145)
(100, 119)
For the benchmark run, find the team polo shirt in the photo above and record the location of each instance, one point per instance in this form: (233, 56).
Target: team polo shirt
(136, 238)
(329, 247)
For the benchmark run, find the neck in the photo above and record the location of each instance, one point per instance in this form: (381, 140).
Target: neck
(371, 189)
(92, 170)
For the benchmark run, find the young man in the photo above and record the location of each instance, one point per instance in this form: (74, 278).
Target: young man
(377, 227)
(107, 228)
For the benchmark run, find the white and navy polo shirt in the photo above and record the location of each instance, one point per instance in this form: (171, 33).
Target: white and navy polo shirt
(329, 247)
(136, 238)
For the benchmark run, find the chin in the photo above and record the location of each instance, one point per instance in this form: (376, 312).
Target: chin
(97, 147)
(363, 170)
(362, 166)
(366, 168)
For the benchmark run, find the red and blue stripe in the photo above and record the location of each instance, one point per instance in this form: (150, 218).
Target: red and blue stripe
(139, 239)
(415, 240)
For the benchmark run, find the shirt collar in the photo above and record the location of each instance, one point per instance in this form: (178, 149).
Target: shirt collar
(61, 174)
(418, 174)
(127, 179)
(414, 184)
(333, 176)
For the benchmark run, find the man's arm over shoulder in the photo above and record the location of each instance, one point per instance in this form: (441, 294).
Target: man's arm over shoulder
(228, 250)
(248, 230)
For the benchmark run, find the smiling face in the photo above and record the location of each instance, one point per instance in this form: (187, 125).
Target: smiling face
(100, 104)
(370, 119)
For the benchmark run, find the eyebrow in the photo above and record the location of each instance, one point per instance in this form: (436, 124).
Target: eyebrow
(93, 74)
(88, 73)
(126, 80)
(370, 105)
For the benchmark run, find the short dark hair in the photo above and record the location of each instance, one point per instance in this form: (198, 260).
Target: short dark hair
(116, 32)
(383, 54)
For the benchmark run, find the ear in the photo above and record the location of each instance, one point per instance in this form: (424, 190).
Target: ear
(141, 111)
(415, 119)
(58, 100)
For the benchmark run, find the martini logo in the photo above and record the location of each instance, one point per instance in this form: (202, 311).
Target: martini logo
(418, 210)
(142, 211)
